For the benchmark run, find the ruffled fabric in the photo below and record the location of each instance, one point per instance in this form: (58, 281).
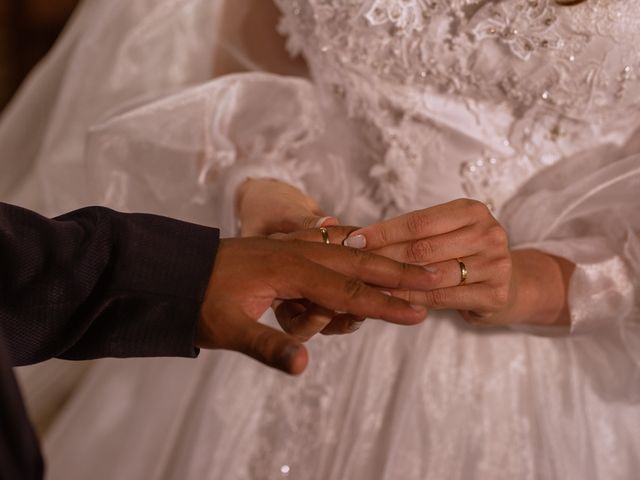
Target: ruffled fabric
(193, 149)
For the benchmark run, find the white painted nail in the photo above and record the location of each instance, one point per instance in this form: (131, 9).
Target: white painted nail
(357, 241)
(321, 221)
(430, 269)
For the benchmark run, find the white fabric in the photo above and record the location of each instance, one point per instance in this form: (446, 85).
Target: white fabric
(527, 106)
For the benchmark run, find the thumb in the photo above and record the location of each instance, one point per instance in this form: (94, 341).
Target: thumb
(273, 348)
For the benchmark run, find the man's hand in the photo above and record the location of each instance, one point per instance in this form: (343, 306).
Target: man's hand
(250, 273)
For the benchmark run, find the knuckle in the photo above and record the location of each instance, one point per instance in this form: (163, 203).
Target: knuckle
(309, 222)
(438, 298)
(282, 259)
(504, 267)
(498, 236)
(417, 223)
(406, 269)
(260, 343)
(419, 251)
(500, 297)
(354, 287)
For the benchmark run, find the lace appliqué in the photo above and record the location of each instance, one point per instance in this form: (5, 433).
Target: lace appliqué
(559, 64)
(405, 15)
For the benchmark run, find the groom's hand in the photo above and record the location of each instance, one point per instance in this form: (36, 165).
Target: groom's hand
(250, 273)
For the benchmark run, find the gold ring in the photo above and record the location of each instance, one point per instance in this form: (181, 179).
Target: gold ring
(325, 236)
(463, 272)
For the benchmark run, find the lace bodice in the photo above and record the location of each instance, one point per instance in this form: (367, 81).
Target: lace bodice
(528, 81)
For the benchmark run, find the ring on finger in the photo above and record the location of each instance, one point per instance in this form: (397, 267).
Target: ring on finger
(325, 236)
(463, 272)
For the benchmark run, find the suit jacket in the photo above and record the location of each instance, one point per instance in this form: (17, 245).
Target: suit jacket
(91, 283)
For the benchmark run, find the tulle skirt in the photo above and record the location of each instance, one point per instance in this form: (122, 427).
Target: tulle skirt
(441, 400)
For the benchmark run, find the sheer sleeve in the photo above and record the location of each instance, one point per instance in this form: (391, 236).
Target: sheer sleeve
(187, 153)
(126, 115)
(585, 209)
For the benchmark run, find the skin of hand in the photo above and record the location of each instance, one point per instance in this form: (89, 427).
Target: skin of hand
(503, 287)
(266, 206)
(250, 273)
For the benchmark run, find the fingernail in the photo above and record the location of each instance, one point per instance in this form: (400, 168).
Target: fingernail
(384, 292)
(321, 221)
(288, 355)
(419, 308)
(355, 326)
(430, 269)
(357, 241)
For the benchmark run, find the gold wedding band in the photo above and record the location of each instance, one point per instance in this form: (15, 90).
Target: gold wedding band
(325, 236)
(463, 272)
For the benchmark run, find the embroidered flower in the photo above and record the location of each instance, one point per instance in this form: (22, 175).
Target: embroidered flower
(524, 30)
(405, 15)
(396, 179)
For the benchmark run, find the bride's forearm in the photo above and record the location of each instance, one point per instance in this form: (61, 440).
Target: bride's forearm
(541, 284)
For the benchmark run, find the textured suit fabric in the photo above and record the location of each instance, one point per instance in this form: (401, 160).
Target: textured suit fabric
(88, 284)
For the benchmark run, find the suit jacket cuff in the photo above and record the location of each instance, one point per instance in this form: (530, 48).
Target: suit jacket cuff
(155, 285)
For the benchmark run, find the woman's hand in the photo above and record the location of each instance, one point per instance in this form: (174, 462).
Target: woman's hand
(266, 206)
(475, 272)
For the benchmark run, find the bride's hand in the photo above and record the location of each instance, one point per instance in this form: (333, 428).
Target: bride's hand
(266, 206)
(467, 250)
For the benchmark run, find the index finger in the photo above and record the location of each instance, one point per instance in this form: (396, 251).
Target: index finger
(368, 267)
(336, 291)
(415, 225)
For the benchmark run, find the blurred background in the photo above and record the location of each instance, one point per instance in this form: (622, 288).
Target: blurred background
(28, 28)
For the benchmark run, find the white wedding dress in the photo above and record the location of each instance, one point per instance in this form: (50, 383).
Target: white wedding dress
(530, 107)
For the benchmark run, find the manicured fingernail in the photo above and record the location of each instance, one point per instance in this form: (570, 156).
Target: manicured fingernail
(430, 269)
(357, 241)
(321, 221)
(355, 326)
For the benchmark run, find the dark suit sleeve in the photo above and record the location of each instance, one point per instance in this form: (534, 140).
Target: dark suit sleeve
(98, 283)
